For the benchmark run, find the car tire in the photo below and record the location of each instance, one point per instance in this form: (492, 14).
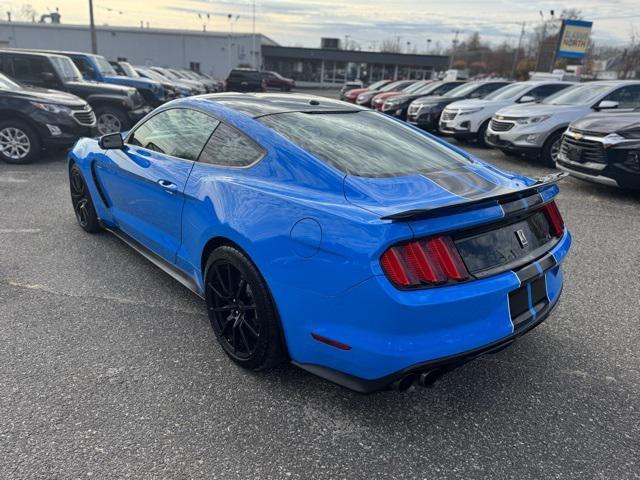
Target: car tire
(482, 135)
(550, 148)
(82, 202)
(241, 310)
(19, 142)
(110, 119)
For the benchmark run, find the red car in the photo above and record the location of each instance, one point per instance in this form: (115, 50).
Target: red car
(351, 95)
(379, 99)
(275, 80)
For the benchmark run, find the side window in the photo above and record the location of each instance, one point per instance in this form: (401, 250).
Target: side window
(29, 69)
(85, 68)
(116, 66)
(487, 88)
(543, 91)
(627, 97)
(481, 91)
(178, 132)
(230, 148)
(445, 88)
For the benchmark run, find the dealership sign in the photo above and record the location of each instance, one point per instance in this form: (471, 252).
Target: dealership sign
(574, 38)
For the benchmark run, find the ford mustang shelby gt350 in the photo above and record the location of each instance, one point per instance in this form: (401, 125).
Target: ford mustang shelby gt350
(362, 249)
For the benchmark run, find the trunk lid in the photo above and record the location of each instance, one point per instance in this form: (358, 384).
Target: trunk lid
(390, 195)
(496, 220)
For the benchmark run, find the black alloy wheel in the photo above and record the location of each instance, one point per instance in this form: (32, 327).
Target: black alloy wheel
(241, 310)
(234, 310)
(81, 201)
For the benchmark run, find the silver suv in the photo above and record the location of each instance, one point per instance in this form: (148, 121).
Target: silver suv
(469, 119)
(536, 129)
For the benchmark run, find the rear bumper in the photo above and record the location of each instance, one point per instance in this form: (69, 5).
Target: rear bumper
(391, 332)
(442, 365)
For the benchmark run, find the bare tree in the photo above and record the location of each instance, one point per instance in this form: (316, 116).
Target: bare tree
(630, 62)
(390, 45)
(23, 13)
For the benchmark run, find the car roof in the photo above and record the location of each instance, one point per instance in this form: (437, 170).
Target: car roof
(260, 104)
(30, 52)
(546, 82)
(614, 83)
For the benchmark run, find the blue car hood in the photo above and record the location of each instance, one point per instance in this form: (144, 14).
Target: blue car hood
(390, 195)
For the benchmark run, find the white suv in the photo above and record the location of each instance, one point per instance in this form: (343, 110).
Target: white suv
(536, 129)
(469, 119)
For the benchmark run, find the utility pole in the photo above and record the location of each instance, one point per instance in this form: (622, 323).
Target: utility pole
(255, 54)
(229, 16)
(517, 52)
(92, 27)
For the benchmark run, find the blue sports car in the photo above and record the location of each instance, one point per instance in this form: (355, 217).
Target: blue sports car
(358, 247)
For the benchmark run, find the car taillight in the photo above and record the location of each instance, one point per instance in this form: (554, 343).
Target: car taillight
(264, 87)
(424, 262)
(556, 223)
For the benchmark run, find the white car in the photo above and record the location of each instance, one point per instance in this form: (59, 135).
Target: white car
(536, 129)
(469, 119)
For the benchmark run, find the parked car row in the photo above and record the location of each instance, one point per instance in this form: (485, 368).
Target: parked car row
(51, 98)
(591, 130)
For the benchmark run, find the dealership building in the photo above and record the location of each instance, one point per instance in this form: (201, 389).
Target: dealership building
(216, 53)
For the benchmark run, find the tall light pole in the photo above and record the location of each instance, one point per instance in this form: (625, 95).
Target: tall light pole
(92, 27)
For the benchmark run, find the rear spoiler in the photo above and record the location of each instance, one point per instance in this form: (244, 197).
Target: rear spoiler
(421, 213)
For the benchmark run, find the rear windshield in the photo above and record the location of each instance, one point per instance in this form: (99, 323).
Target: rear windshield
(246, 75)
(364, 144)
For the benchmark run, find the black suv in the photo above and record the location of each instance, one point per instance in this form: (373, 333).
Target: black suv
(116, 107)
(36, 119)
(603, 148)
(245, 80)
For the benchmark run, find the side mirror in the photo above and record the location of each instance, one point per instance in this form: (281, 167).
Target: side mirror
(527, 99)
(607, 105)
(48, 78)
(111, 141)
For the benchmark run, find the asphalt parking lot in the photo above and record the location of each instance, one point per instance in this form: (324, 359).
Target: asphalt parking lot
(109, 368)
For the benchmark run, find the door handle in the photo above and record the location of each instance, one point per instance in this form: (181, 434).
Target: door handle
(170, 187)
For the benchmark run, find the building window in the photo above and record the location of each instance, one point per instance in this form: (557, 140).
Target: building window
(194, 66)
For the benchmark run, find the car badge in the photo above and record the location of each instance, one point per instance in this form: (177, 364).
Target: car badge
(577, 136)
(522, 238)
(500, 117)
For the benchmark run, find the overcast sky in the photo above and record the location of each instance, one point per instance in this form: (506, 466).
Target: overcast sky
(303, 22)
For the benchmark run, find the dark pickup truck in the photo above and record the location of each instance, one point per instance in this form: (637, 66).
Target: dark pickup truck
(116, 107)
